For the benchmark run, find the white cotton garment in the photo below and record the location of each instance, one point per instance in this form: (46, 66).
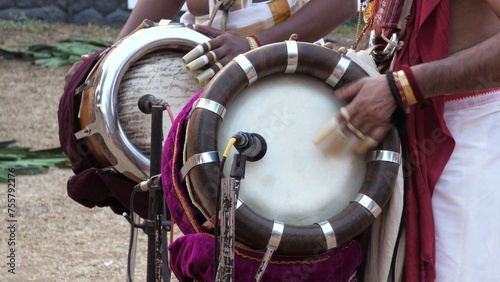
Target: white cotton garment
(466, 200)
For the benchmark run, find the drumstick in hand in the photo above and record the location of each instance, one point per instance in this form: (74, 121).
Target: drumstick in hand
(329, 128)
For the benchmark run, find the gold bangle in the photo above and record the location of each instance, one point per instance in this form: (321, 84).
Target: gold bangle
(252, 42)
(410, 97)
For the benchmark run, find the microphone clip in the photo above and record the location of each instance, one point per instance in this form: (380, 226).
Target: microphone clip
(152, 183)
(238, 167)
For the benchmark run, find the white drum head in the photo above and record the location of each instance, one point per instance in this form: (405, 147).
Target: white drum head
(295, 182)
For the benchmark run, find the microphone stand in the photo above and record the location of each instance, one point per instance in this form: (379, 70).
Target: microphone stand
(157, 225)
(157, 262)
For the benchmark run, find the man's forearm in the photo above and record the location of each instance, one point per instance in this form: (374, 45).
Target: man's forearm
(151, 9)
(477, 68)
(313, 21)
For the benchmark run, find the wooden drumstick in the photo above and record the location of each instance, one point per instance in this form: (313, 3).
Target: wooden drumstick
(193, 54)
(204, 76)
(196, 64)
(329, 128)
(208, 74)
(365, 146)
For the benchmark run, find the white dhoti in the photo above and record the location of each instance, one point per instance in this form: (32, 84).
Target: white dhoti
(466, 199)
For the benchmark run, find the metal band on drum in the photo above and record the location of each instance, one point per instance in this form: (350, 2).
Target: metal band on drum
(252, 228)
(210, 105)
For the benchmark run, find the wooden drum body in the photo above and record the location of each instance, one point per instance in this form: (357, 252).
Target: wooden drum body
(146, 62)
(306, 199)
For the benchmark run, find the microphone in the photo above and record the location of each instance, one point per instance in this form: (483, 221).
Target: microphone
(151, 183)
(146, 102)
(252, 145)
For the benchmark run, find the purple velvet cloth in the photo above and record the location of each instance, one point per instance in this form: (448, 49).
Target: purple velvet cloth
(178, 202)
(191, 256)
(91, 186)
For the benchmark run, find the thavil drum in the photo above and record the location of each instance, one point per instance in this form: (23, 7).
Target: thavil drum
(297, 199)
(146, 62)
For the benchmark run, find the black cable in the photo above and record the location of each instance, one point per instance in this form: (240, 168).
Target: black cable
(166, 265)
(132, 226)
(216, 224)
(402, 223)
(399, 118)
(399, 114)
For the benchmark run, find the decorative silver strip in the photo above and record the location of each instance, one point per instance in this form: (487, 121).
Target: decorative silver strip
(293, 56)
(272, 245)
(369, 204)
(331, 240)
(199, 159)
(339, 71)
(247, 67)
(275, 239)
(384, 156)
(210, 105)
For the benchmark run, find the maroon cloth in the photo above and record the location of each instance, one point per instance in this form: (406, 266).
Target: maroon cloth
(91, 186)
(387, 14)
(429, 141)
(191, 256)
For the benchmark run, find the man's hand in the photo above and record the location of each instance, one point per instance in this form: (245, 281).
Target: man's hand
(225, 46)
(371, 107)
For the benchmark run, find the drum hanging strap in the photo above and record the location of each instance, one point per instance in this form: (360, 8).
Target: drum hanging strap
(273, 244)
(224, 6)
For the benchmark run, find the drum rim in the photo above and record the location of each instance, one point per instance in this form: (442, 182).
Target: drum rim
(123, 155)
(251, 228)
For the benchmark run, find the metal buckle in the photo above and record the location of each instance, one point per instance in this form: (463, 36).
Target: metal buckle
(388, 52)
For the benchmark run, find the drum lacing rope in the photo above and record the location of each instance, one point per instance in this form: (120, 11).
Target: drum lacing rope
(224, 6)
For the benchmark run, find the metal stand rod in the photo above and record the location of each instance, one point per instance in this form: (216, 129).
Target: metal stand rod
(133, 254)
(155, 262)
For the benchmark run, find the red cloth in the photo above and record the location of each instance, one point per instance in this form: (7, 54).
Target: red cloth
(387, 14)
(429, 141)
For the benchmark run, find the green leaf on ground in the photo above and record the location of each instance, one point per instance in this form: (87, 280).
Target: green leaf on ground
(25, 161)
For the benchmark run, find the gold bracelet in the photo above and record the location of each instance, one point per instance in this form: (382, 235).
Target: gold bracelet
(252, 42)
(410, 97)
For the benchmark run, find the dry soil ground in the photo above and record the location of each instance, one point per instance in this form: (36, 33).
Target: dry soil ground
(56, 238)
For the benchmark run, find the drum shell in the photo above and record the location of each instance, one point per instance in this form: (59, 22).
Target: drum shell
(251, 228)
